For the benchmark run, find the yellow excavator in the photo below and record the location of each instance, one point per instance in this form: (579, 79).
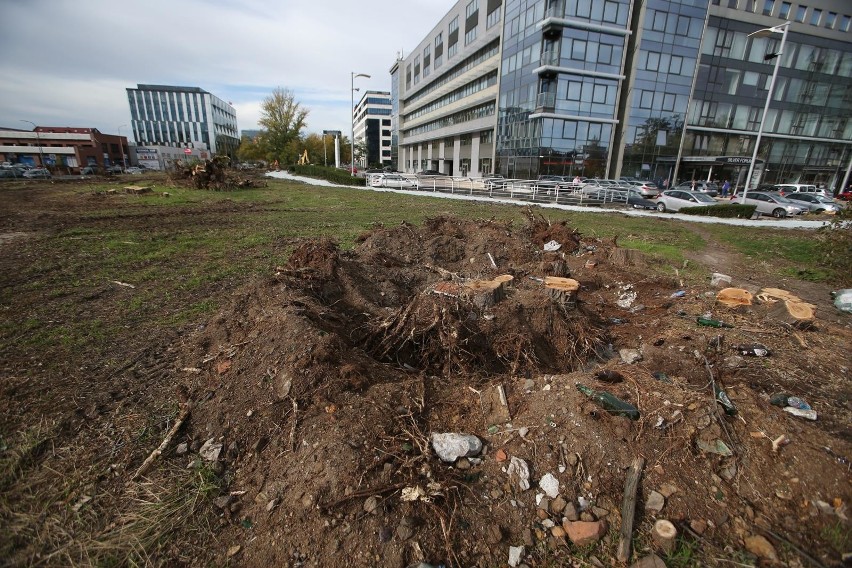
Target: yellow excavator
(303, 159)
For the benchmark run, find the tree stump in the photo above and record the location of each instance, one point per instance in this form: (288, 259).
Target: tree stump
(734, 297)
(664, 534)
(624, 258)
(557, 267)
(798, 314)
(486, 293)
(562, 291)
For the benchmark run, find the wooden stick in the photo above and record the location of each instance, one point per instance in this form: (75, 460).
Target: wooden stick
(628, 509)
(187, 408)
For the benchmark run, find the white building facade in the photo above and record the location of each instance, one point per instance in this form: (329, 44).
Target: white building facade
(182, 117)
(448, 89)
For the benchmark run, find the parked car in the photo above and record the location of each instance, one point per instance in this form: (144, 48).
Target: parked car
(115, 170)
(645, 188)
(37, 173)
(550, 182)
(494, 181)
(430, 173)
(787, 188)
(636, 199)
(133, 170)
(677, 199)
(11, 173)
(707, 187)
(773, 203)
(392, 180)
(845, 195)
(816, 203)
(89, 171)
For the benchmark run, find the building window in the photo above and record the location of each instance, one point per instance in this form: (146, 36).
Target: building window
(470, 36)
(676, 65)
(800, 13)
(610, 13)
(653, 62)
(768, 6)
(733, 4)
(472, 7)
(830, 19)
(484, 166)
(784, 12)
(578, 50)
(454, 25)
(486, 137)
(816, 15)
(492, 18)
(844, 23)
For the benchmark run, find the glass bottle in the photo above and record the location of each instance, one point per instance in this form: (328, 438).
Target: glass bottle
(710, 322)
(610, 402)
(722, 398)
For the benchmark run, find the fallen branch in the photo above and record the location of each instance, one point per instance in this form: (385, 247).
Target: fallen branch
(146, 465)
(628, 509)
(293, 429)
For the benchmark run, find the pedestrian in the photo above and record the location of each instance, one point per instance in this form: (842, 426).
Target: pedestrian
(666, 183)
(693, 185)
(725, 188)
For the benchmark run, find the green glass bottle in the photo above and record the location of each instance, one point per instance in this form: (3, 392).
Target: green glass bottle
(722, 398)
(709, 322)
(610, 403)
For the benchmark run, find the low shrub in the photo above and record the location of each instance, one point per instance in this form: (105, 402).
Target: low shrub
(334, 175)
(727, 211)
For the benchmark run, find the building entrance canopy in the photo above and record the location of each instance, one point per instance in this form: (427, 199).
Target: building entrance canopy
(710, 160)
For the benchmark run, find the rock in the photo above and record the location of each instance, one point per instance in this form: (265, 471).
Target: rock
(494, 534)
(650, 561)
(570, 512)
(550, 485)
(501, 456)
(515, 555)
(182, 448)
(587, 517)
(463, 464)
(698, 526)
(223, 502)
(719, 280)
(729, 471)
(667, 490)
(762, 548)
(573, 460)
(529, 385)
(282, 384)
(271, 505)
(582, 533)
(210, 450)
(542, 514)
(558, 505)
(260, 444)
(404, 531)
(655, 502)
(528, 537)
(630, 356)
(557, 532)
(371, 504)
(519, 473)
(733, 362)
(451, 445)
(234, 550)
(600, 512)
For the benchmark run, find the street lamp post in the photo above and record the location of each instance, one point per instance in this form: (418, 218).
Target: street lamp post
(782, 29)
(38, 141)
(123, 161)
(352, 109)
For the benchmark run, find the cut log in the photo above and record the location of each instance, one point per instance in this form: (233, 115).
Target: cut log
(628, 509)
(562, 291)
(664, 534)
(799, 314)
(734, 297)
(486, 293)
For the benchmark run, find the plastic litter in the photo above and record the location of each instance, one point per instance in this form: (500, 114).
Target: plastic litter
(754, 350)
(519, 472)
(784, 399)
(552, 246)
(809, 414)
(843, 300)
(678, 294)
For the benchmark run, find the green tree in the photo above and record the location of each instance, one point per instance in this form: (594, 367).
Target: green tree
(283, 119)
(252, 150)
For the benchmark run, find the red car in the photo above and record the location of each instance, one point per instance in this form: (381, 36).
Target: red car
(845, 195)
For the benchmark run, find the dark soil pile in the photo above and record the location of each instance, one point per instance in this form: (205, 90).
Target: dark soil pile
(320, 388)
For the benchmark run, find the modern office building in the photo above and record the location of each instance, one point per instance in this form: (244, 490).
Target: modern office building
(63, 148)
(373, 128)
(661, 89)
(182, 117)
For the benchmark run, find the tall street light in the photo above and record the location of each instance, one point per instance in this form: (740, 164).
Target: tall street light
(352, 108)
(782, 29)
(123, 162)
(38, 141)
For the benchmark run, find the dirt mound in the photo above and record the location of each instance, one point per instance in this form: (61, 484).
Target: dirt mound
(323, 385)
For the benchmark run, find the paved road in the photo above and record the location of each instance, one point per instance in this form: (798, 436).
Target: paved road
(797, 223)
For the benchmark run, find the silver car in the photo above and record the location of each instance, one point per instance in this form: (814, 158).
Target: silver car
(773, 203)
(394, 180)
(816, 203)
(677, 199)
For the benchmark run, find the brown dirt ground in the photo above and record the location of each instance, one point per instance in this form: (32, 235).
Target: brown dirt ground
(324, 381)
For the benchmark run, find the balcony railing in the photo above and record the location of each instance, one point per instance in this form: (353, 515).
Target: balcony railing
(545, 102)
(556, 9)
(550, 57)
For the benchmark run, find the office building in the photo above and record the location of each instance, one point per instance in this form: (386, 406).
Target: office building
(63, 148)
(373, 129)
(182, 117)
(661, 89)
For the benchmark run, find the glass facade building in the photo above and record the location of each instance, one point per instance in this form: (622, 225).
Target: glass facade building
(661, 89)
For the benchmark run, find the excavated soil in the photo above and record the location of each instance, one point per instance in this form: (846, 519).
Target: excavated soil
(316, 391)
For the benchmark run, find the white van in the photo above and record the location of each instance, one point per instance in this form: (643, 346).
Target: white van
(785, 188)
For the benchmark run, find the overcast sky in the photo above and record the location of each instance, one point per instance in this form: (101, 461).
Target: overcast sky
(68, 62)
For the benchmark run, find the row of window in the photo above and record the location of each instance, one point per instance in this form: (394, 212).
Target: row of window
(466, 65)
(785, 11)
(608, 11)
(804, 57)
(467, 115)
(790, 122)
(471, 88)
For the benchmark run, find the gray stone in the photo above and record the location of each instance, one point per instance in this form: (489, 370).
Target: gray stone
(650, 561)
(630, 356)
(655, 502)
(371, 504)
(570, 512)
(182, 448)
(558, 505)
(451, 445)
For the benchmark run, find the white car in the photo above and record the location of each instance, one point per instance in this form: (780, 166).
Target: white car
(815, 202)
(677, 199)
(392, 180)
(133, 170)
(772, 203)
